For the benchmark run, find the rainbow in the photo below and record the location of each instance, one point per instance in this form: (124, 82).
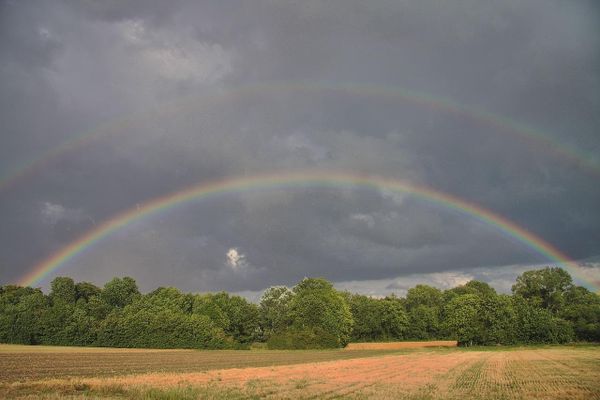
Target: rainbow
(299, 179)
(535, 138)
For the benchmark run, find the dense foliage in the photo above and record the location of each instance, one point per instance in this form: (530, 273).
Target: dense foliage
(317, 316)
(545, 307)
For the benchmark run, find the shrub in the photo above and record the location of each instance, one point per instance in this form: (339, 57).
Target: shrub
(302, 339)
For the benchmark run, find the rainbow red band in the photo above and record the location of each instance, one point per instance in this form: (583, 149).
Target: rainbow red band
(295, 179)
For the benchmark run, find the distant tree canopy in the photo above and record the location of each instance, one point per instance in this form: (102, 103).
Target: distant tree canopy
(377, 319)
(545, 307)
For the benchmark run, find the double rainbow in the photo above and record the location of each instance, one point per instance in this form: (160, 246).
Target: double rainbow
(300, 179)
(537, 139)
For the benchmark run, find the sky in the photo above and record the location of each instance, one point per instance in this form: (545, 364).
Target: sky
(107, 105)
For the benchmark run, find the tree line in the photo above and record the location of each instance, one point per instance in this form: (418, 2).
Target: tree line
(544, 307)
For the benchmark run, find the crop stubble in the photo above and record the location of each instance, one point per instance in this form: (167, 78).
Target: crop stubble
(548, 373)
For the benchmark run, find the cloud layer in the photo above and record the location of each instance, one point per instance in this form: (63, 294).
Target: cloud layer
(179, 93)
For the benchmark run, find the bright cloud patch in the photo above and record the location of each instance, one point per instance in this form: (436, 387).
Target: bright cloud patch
(176, 56)
(53, 213)
(235, 259)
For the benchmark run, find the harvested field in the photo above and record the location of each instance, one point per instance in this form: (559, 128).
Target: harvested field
(20, 363)
(401, 345)
(450, 373)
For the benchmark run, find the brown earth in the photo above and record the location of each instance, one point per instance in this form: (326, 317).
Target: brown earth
(547, 373)
(342, 377)
(400, 345)
(23, 363)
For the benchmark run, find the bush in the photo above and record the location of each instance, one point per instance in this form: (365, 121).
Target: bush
(161, 329)
(317, 307)
(561, 331)
(302, 339)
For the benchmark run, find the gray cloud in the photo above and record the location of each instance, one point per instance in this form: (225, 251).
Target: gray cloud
(175, 94)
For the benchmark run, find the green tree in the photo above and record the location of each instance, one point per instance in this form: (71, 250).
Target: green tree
(120, 292)
(54, 322)
(462, 322)
(424, 295)
(273, 309)
(424, 307)
(539, 325)
(497, 319)
(156, 327)
(242, 316)
(316, 306)
(97, 308)
(545, 288)
(366, 316)
(20, 312)
(203, 304)
(86, 290)
(582, 310)
(80, 329)
(545, 308)
(170, 298)
(478, 288)
(394, 320)
(63, 290)
(377, 319)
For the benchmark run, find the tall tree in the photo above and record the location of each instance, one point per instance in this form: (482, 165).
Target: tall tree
(63, 290)
(424, 306)
(274, 309)
(544, 287)
(241, 314)
(120, 292)
(86, 290)
(462, 322)
(377, 319)
(538, 325)
(582, 309)
(20, 313)
(317, 308)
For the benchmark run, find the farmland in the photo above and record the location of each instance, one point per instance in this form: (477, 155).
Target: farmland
(557, 372)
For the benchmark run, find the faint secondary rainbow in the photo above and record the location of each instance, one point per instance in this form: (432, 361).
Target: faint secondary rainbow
(292, 180)
(535, 138)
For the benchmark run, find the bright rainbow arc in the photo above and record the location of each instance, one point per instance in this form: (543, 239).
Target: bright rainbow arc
(535, 137)
(299, 179)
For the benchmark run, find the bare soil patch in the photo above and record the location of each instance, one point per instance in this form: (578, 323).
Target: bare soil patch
(548, 373)
(26, 363)
(400, 345)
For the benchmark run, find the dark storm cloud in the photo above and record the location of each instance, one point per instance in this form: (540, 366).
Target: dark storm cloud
(184, 92)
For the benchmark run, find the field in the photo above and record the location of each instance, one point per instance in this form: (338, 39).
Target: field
(400, 345)
(386, 373)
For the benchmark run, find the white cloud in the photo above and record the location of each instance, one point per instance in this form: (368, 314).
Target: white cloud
(132, 30)
(198, 62)
(363, 218)
(301, 144)
(177, 57)
(235, 259)
(589, 271)
(499, 278)
(395, 196)
(448, 280)
(53, 213)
